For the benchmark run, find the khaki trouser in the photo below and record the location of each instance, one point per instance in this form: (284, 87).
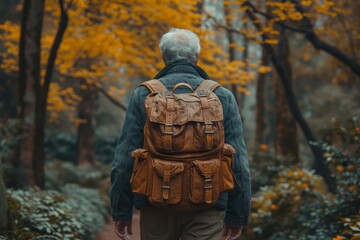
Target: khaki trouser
(159, 224)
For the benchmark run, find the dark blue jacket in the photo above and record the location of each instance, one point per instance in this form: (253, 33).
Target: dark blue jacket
(236, 203)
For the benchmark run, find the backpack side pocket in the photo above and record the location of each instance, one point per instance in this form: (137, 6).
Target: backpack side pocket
(227, 160)
(139, 177)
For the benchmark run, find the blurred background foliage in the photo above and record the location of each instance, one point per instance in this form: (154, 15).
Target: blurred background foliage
(68, 68)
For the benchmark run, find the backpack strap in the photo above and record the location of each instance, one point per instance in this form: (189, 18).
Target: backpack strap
(154, 85)
(208, 85)
(169, 118)
(209, 131)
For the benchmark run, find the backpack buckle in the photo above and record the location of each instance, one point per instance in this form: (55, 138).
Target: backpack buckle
(212, 127)
(208, 182)
(169, 94)
(201, 93)
(167, 132)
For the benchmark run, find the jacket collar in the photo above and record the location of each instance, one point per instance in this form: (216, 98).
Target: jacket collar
(182, 66)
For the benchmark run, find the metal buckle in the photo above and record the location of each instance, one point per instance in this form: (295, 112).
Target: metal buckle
(209, 131)
(201, 93)
(207, 181)
(169, 94)
(166, 132)
(166, 187)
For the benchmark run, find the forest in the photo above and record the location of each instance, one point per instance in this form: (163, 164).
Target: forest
(69, 67)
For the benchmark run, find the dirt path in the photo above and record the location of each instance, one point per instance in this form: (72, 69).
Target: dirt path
(108, 232)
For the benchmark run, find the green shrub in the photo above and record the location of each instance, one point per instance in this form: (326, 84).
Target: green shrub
(36, 214)
(296, 204)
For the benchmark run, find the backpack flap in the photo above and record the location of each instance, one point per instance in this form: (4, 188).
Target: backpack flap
(172, 115)
(187, 108)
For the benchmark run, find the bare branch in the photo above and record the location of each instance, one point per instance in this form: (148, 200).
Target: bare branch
(109, 97)
(227, 28)
(99, 88)
(268, 16)
(320, 44)
(64, 19)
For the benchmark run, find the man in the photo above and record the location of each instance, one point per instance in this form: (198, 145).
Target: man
(180, 50)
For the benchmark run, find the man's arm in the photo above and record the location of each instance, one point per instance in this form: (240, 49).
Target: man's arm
(239, 201)
(131, 138)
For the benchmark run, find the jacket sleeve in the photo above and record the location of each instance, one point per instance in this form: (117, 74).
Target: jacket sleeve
(131, 138)
(239, 199)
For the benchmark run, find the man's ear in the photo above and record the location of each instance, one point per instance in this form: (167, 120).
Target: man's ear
(197, 57)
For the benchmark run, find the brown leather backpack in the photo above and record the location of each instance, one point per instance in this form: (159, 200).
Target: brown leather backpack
(184, 164)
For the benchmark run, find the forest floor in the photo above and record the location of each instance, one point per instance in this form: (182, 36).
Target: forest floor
(108, 231)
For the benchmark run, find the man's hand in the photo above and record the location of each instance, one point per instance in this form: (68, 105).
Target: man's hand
(232, 232)
(120, 229)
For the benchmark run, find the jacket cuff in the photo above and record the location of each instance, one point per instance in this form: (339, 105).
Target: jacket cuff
(122, 217)
(234, 221)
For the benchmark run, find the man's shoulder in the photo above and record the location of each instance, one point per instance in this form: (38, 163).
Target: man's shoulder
(141, 91)
(222, 92)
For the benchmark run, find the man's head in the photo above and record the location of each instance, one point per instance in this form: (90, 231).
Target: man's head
(180, 44)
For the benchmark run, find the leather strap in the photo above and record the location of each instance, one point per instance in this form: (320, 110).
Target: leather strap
(154, 85)
(209, 128)
(182, 84)
(208, 185)
(169, 117)
(166, 183)
(208, 85)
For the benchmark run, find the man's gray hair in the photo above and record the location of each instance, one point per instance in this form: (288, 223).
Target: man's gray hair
(180, 44)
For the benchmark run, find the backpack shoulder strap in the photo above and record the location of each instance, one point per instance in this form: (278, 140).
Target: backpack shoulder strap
(154, 85)
(208, 85)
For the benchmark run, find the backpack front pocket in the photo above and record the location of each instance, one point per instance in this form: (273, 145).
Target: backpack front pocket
(167, 180)
(159, 136)
(204, 181)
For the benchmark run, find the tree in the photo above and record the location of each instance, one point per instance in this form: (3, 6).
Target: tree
(3, 201)
(320, 166)
(260, 101)
(29, 75)
(286, 140)
(86, 147)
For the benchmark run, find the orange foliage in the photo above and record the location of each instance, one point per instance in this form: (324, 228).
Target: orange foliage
(108, 42)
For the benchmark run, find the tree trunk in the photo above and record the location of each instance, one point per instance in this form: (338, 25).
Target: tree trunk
(29, 75)
(260, 102)
(41, 101)
(245, 58)
(231, 48)
(86, 147)
(286, 140)
(3, 202)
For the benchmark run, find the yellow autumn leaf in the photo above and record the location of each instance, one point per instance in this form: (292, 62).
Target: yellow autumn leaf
(264, 69)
